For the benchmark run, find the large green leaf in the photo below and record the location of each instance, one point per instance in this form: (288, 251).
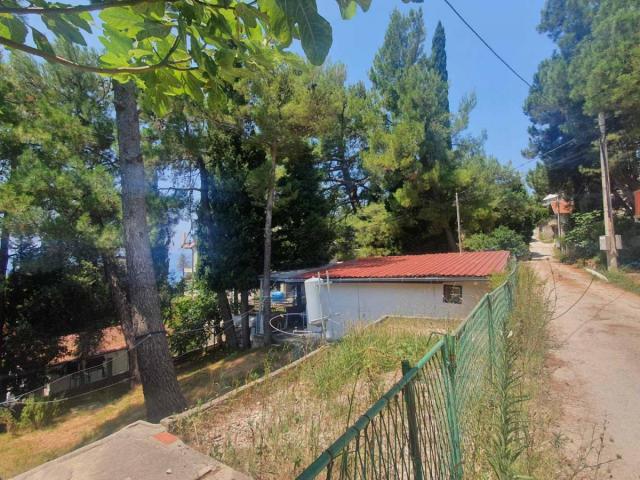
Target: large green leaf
(124, 19)
(62, 28)
(279, 25)
(315, 32)
(347, 8)
(13, 28)
(41, 41)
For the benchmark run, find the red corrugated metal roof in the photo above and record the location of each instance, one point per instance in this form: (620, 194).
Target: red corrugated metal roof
(112, 340)
(465, 264)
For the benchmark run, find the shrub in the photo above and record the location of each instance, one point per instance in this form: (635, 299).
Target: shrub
(502, 238)
(38, 414)
(582, 239)
(192, 313)
(8, 421)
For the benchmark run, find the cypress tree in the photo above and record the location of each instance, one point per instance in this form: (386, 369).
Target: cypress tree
(439, 64)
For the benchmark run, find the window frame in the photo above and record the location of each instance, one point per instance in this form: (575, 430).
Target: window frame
(449, 296)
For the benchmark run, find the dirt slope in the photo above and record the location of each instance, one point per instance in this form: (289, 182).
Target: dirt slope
(596, 368)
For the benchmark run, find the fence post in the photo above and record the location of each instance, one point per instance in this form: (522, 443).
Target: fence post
(452, 406)
(491, 332)
(412, 419)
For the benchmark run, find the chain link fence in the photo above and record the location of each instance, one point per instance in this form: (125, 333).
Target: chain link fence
(422, 428)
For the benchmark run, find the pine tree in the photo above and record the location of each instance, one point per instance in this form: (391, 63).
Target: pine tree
(403, 47)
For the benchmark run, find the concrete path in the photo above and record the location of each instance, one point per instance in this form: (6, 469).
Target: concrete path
(596, 367)
(139, 451)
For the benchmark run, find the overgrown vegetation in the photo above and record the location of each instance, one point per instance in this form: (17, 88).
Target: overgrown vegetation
(46, 431)
(277, 428)
(513, 421)
(502, 238)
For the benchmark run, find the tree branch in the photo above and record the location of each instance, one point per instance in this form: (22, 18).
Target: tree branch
(85, 8)
(52, 57)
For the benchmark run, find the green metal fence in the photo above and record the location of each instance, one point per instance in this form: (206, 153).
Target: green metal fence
(422, 427)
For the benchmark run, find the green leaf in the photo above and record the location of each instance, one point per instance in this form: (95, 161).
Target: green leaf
(248, 14)
(80, 20)
(13, 28)
(364, 4)
(347, 8)
(153, 29)
(279, 25)
(41, 41)
(315, 32)
(61, 28)
(123, 19)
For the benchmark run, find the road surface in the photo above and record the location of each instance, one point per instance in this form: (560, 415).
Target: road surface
(595, 364)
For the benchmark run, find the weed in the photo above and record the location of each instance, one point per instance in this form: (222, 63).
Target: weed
(37, 414)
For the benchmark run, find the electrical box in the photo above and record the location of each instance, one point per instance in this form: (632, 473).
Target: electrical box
(604, 244)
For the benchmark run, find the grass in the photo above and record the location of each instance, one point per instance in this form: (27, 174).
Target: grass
(275, 429)
(629, 281)
(105, 412)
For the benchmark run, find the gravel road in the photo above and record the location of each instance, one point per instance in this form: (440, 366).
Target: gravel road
(595, 366)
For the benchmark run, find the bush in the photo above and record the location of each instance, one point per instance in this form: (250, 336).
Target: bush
(38, 414)
(8, 421)
(192, 313)
(582, 239)
(502, 238)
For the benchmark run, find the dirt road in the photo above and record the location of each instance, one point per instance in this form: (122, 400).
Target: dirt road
(595, 366)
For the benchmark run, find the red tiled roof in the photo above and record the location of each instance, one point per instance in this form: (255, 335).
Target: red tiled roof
(465, 264)
(112, 340)
(564, 205)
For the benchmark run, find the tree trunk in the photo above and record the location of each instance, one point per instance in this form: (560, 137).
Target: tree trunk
(119, 297)
(4, 264)
(160, 386)
(227, 320)
(265, 290)
(246, 332)
(204, 217)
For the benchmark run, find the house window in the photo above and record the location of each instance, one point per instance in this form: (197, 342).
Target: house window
(452, 294)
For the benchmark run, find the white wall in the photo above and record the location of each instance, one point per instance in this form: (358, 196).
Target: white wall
(349, 303)
(119, 361)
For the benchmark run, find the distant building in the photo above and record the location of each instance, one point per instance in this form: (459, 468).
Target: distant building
(562, 210)
(74, 370)
(188, 243)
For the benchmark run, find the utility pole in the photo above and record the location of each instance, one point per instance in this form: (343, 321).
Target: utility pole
(459, 229)
(609, 230)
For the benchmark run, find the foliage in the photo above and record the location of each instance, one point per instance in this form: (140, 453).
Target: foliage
(346, 114)
(502, 238)
(374, 232)
(596, 70)
(583, 235)
(8, 420)
(195, 314)
(303, 233)
(538, 181)
(409, 159)
(37, 414)
(60, 210)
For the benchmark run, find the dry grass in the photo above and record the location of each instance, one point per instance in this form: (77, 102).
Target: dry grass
(275, 429)
(116, 407)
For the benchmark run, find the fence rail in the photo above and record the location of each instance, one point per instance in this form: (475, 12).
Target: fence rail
(422, 427)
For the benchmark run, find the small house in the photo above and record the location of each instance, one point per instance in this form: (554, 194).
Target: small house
(103, 361)
(336, 297)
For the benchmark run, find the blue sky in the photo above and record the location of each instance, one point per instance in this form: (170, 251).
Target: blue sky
(508, 26)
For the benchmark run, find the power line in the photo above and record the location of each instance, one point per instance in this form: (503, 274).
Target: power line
(486, 44)
(543, 154)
